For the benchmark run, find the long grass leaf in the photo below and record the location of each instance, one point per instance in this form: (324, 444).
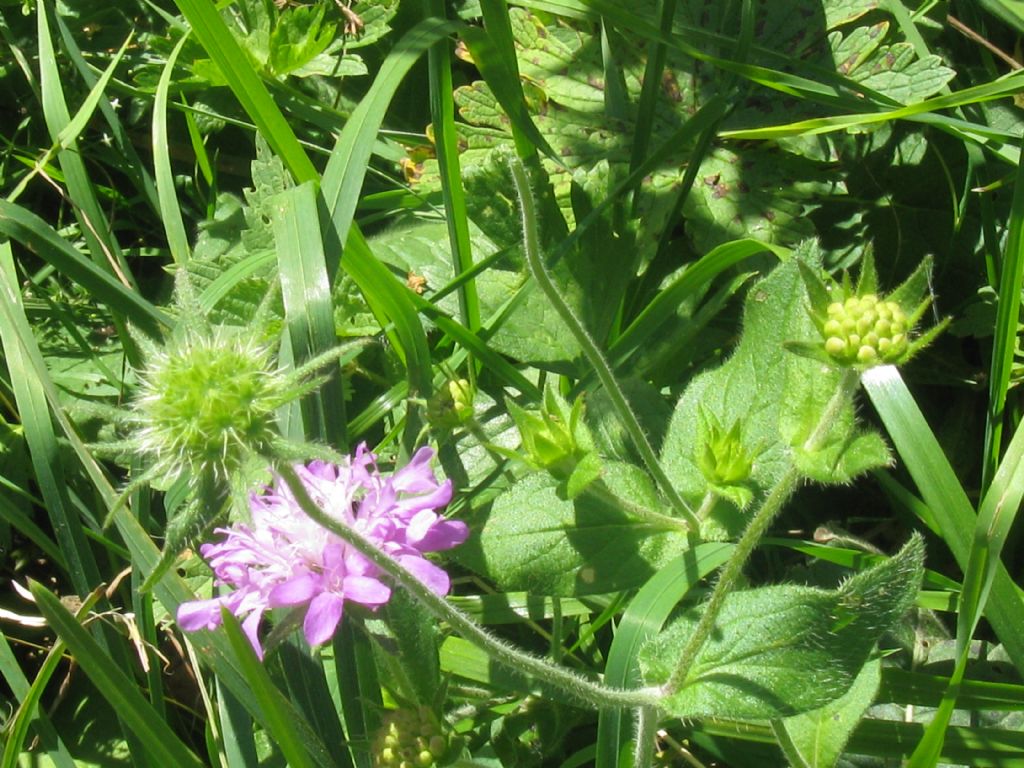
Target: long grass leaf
(134, 168)
(342, 182)
(69, 134)
(115, 686)
(36, 235)
(47, 463)
(942, 492)
(27, 697)
(650, 89)
(442, 118)
(277, 720)
(170, 211)
(346, 168)
(997, 89)
(644, 617)
(96, 230)
(309, 312)
(691, 281)
(218, 41)
(1011, 278)
(996, 514)
(494, 54)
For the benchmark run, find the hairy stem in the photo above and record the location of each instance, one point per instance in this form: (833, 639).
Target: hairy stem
(531, 246)
(574, 685)
(730, 574)
(646, 724)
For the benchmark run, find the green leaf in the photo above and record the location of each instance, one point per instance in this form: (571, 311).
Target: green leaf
(784, 650)
(893, 70)
(816, 739)
(537, 540)
(299, 37)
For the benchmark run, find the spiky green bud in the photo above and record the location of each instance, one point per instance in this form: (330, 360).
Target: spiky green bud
(208, 401)
(452, 405)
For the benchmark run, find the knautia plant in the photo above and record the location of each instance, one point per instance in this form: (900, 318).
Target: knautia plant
(671, 507)
(281, 558)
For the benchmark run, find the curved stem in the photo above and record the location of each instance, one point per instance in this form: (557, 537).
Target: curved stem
(531, 246)
(580, 688)
(755, 531)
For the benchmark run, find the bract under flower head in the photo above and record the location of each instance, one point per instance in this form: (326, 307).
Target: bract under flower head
(283, 558)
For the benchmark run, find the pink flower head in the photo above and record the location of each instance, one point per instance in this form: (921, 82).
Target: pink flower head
(282, 558)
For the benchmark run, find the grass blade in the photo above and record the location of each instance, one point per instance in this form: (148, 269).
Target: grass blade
(442, 117)
(27, 697)
(277, 720)
(342, 183)
(16, 338)
(309, 311)
(121, 692)
(170, 211)
(36, 235)
(644, 617)
(996, 514)
(1011, 277)
(920, 451)
(218, 41)
(95, 228)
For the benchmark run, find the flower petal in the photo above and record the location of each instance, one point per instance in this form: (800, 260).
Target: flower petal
(431, 576)
(362, 589)
(200, 614)
(295, 591)
(322, 617)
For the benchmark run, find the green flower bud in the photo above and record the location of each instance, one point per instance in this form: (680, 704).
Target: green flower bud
(858, 327)
(452, 405)
(409, 738)
(864, 330)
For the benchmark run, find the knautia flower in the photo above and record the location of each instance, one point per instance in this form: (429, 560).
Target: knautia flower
(281, 558)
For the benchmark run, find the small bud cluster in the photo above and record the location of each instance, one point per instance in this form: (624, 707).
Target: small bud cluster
(409, 738)
(865, 330)
(724, 460)
(451, 406)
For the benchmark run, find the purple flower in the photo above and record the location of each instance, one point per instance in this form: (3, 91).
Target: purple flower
(282, 558)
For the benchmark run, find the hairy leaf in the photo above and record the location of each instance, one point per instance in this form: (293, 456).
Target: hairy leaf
(784, 650)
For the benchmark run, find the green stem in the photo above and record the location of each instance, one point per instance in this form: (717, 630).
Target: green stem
(531, 246)
(646, 725)
(733, 569)
(599, 491)
(576, 686)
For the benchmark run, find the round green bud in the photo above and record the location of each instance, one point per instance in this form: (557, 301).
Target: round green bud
(867, 354)
(835, 346)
